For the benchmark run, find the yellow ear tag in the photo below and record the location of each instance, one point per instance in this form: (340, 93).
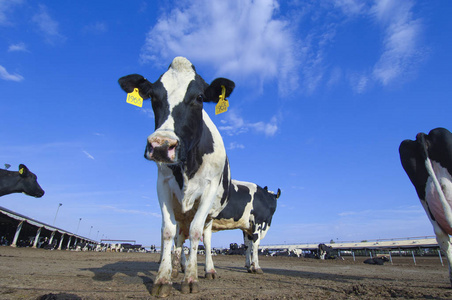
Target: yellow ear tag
(134, 98)
(223, 104)
(21, 171)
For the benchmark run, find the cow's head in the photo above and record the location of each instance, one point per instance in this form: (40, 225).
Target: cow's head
(29, 183)
(177, 101)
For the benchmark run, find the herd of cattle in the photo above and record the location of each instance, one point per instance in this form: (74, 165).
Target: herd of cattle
(197, 195)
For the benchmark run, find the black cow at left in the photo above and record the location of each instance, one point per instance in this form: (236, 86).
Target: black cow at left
(22, 181)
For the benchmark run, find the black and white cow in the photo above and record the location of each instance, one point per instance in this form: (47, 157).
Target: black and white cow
(23, 181)
(325, 252)
(249, 208)
(376, 260)
(193, 169)
(428, 163)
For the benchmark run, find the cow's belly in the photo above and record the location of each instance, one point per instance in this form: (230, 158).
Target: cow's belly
(229, 224)
(432, 197)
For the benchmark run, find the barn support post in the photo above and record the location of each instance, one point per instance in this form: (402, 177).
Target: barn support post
(61, 241)
(16, 236)
(38, 233)
(353, 254)
(440, 258)
(51, 237)
(390, 257)
(414, 259)
(69, 242)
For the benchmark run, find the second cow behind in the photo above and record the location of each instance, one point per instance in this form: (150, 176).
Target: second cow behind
(250, 208)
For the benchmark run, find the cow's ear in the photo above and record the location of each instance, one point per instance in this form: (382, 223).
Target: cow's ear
(23, 170)
(213, 91)
(130, 82)
(278, 194)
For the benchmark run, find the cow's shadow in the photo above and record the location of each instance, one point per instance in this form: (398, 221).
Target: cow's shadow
(135, 271)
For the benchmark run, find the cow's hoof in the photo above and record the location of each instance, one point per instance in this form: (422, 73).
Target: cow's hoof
(189, 287)
(255, 271)
(211, 276)
(161, 290)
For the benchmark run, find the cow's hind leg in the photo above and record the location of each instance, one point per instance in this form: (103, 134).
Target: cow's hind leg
(445, 245)
(178, 255)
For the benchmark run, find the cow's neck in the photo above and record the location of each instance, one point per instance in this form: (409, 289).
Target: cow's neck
(9, 182)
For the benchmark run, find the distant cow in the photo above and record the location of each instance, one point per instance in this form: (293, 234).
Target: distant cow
(376, 260)
(325, 252)
(23, 181)
(428, 163)
(193, 169)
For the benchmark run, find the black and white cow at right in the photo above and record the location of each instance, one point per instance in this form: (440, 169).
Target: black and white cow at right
(250, 208)
(428, 163)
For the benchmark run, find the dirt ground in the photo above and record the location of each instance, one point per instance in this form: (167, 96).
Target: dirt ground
(27, 273)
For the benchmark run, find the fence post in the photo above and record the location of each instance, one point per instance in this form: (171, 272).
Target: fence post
(440, 258)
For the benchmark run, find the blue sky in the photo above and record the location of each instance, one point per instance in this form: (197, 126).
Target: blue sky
(325, 92)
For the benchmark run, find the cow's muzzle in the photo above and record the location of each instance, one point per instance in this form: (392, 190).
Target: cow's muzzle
(161, 149)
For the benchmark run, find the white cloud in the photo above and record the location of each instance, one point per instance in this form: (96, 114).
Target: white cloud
(5, 75)
(235, 125)
(401, 43)
(88, 155)
(235, 145)
(5, 9)
(238, 38)
(20, 47)
(257, 43)
(130, 211)
(47, 25)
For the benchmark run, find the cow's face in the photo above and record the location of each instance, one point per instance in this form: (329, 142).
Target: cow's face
(177, 101)
(29, 183)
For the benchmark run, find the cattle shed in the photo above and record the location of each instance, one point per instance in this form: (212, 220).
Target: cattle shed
(403, 243)
(17, 230)
(402, 246)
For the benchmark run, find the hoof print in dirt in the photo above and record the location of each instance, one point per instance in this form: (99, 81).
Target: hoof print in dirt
(60, 296)
(211, 276)
(161, 290)
(189, 287)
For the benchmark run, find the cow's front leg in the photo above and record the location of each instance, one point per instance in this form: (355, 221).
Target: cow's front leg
(162, 283)
(210, 269)
(247, 243)
(252, 251)
(255, 256)
(190, 283)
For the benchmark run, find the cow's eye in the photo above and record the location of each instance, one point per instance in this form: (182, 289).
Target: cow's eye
(200, 98)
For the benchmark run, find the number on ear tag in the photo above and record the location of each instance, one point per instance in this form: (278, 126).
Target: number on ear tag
(134, 98)
(223, 104)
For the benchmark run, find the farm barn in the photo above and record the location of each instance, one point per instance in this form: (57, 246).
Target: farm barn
(17, 230)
